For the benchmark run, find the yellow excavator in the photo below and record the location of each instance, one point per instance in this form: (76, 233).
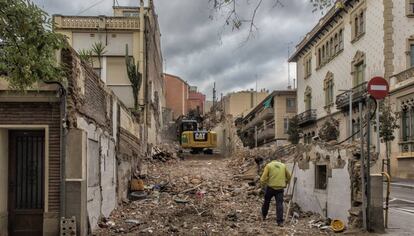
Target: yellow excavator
(190, 137)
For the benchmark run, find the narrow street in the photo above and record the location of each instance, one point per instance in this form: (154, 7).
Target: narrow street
(401, 213)
(200, 197)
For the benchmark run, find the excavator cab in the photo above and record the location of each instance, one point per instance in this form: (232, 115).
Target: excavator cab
(191, 137)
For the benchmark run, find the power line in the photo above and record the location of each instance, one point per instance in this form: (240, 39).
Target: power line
(91, 6)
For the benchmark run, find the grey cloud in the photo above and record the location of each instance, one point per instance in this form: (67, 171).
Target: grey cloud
(201, 51)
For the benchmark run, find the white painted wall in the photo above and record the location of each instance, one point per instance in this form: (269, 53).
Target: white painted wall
(403, 29)
(335, 200)
(371, 43)
(114, 45)
(4, 160)
(101, 172)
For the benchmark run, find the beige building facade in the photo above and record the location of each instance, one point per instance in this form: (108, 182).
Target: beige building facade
(240, 103)
(137, 28)
(268, 122)
(354, 42)
(402, 102)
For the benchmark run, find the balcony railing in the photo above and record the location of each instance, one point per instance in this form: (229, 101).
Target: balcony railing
(407, 147)
(358, 92)
(308, 116)
(259, 118)
(267, 134)
(99, 22)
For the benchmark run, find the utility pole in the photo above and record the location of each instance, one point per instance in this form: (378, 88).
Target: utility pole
(288, 64)
(255, 103)
(377, 115)
(368, 160)
(214, 98)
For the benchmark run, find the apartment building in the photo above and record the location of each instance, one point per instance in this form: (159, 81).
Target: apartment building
(176, 95)
(196, 100)
(352, 43)
(355, 41)
(133, 27)
(240, 103)
(268, 122)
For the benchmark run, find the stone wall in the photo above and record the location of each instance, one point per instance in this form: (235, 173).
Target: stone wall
(112, 142)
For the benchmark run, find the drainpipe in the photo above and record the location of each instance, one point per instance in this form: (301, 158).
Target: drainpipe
(62, 95)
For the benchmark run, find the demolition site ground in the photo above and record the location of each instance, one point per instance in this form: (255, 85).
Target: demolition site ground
(196, 195)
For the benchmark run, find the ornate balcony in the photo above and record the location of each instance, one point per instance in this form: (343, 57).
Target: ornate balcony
(307, 117)
(407, 147)
(402, 79)
(98, 22)
(358, 92)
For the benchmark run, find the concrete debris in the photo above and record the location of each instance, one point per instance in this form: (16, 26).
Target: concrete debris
(132, 221)
(165, 152)
(196, 198)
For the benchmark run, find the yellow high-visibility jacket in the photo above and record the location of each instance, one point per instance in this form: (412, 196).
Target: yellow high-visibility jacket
(275, 175)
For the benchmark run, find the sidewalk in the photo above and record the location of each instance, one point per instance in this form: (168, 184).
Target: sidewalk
(404, 183)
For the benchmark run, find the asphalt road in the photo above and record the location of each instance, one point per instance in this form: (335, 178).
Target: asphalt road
(401, 212)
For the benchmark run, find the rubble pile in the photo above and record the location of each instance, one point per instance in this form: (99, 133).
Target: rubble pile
(165, 152)
(199, 197)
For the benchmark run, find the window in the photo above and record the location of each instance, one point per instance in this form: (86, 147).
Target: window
(410, 8)
(285, 125)
(308, 98)
(323, 54)
(405, 123)
(412, 55)
(328, 49)
(361, 22)
(321, 177)
(308, 101)
(359, 76)
(358, 22)
(328, 52)
(356, 26)
(358, 69)
(341, 39)
(290, 104)
(329, 89)
(319, 57)
(308, 65)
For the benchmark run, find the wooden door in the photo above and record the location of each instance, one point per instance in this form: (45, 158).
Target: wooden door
(26, 185)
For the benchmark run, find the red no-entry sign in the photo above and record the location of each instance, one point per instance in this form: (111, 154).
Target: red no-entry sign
(378, 88)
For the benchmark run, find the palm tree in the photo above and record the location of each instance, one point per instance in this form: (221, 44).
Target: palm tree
(86, 55)
(99, 50)
(134, 76)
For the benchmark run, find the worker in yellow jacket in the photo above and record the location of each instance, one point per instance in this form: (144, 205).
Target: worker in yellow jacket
(275, 178)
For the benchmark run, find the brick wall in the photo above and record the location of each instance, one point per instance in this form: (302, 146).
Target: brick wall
(87, 94)
(29, 113)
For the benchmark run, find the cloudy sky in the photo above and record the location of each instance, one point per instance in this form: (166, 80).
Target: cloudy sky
(201, 50)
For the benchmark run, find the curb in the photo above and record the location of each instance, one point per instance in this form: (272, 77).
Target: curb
(403, 185)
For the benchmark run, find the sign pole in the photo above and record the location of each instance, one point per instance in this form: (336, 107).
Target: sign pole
(368, 165)
(378, 89)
